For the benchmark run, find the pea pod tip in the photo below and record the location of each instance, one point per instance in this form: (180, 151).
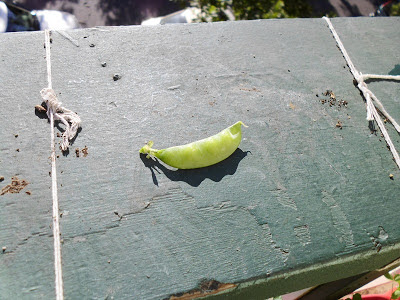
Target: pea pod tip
(241, 123)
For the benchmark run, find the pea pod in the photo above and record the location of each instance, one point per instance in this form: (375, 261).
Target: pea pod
(202, 153)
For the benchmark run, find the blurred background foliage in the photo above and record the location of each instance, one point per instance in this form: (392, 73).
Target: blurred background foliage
(128, 12)
(223, 10)
(395, 10)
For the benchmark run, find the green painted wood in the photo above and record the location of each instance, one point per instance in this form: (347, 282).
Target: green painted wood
(26, 259)
(302, 202)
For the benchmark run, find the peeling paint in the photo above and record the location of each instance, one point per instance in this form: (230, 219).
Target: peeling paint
(283, 197)
(383, 235)
(379, 239)
(343, 232)
(206, 288)
(303, 234)
(285, 200)
(284, 253)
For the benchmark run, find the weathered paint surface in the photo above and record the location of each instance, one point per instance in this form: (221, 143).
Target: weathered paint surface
(300, 197)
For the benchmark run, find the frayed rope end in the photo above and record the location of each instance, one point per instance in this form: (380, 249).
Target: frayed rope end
(70, 119)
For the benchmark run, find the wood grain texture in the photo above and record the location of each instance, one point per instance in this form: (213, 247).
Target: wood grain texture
(300, 203)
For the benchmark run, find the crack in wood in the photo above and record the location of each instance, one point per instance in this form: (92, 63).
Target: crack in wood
(25, 241)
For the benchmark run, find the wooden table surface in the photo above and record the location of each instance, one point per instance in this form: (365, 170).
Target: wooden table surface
(300, 203)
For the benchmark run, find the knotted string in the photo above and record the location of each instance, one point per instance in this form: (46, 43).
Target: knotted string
(70, 119)
(54, 107)
(371, 100)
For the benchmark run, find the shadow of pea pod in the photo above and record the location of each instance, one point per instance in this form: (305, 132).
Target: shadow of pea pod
(195, 177)
(395, 70)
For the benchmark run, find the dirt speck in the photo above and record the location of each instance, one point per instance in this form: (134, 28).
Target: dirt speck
(28, 193)
(77, 152)
(40, 109)
(254, 89)
(342, 103)
(391, 176)
(330, 94)
(116, 77)
(85, 151)
(332, 100)
(1, 178)
(14, 187)
(119, 215)
(339, 124)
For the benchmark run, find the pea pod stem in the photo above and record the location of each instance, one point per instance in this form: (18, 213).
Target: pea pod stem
(201, 153)
(147, 149)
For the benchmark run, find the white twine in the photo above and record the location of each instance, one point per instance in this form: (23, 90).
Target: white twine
(56, 112)
(371, 100)
(51, 109)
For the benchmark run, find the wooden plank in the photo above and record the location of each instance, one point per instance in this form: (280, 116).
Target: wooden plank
(26, 263)
(302, 200)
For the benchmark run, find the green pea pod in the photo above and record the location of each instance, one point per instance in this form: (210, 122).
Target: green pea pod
(202, 153)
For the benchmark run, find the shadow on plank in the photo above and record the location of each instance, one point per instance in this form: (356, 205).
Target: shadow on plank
(195, 177)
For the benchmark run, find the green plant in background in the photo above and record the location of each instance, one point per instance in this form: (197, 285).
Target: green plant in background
(223, 10)
(395, 10)
(355, 297)
(395, 294)
(396, 278)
